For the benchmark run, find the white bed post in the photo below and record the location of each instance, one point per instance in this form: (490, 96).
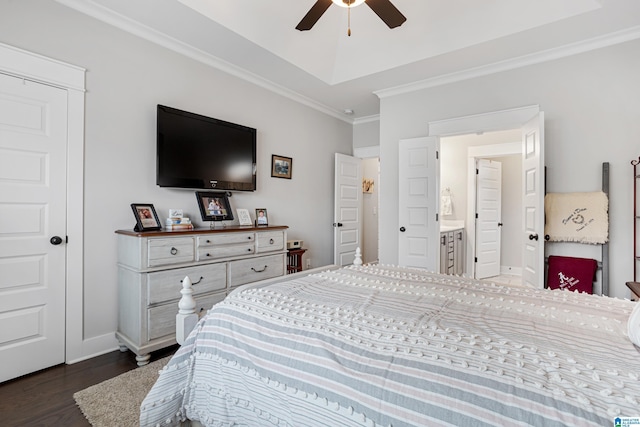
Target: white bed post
(186, 318)
(358, 258)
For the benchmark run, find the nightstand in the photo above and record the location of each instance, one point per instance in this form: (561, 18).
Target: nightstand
(294, 260)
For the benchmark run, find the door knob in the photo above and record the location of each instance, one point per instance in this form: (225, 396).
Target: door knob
(56, 240)
(499, 224)
(337, 224)
(533, 237)
(403, 229)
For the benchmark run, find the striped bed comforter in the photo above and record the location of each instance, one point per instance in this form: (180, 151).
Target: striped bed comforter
(390, 346)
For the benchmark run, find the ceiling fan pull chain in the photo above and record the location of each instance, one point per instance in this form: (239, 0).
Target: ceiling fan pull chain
(349, 20)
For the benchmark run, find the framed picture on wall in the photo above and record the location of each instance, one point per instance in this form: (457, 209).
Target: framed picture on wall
(281, 166)
(146, 217)
(367, 185)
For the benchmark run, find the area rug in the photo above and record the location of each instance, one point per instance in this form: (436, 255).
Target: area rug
(116, 402)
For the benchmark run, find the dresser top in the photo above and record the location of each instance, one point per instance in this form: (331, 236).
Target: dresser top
(221, 229)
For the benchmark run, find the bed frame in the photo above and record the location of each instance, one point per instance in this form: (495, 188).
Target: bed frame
(187, 317)
(523, 374)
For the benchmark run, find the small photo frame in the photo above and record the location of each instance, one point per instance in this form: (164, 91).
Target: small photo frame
(243, 216)
(261, 217)
(146, 217)
(214, 206)
(281, 166)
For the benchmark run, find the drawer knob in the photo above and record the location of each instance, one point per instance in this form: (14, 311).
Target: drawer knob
(208, 254)
(271, 241)
(249, 250)
(259, 271)
(174, 251)
(208, 241)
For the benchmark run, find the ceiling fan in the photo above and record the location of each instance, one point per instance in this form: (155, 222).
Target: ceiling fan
(383, 8)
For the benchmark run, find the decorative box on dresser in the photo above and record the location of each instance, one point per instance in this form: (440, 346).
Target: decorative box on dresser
(152, 264)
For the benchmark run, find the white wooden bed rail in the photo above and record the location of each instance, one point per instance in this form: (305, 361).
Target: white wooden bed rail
(187, 317)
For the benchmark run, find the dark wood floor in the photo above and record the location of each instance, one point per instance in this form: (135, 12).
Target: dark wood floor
(45, 398)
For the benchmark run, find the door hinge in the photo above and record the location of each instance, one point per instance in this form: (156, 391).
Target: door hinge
(437, 154)
(475, 259)
(436, 217)
(476, 215)
(477, 171)
(66, 239)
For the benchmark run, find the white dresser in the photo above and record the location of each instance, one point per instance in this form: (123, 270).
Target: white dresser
(152, 264)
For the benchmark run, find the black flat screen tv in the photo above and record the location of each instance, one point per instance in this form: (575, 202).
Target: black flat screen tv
(200, 152)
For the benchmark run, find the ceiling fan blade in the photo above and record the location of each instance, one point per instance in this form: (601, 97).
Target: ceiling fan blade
(387, 12)
(313, 15)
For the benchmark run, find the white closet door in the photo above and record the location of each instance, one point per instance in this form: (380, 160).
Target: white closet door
(533, 202)
(347, 209)
(418, 204)
(488, 221)
(33, 155)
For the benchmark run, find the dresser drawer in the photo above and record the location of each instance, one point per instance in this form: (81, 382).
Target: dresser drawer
(170, 251)
(254, 269)
(214, 252)
(166, 285)
(162, 319)
(224, 239)
(269, 241)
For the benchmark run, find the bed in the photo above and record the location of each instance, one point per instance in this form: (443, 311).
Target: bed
(378, 345)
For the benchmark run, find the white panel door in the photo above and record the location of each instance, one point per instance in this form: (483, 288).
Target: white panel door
(33, 144)
(347, 224)
(533, 202)
(418, 176)
(488, 219)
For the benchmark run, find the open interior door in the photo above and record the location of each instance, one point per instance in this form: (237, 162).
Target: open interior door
(488, 217)
(418, 204)
(347, 226)
(533, 201)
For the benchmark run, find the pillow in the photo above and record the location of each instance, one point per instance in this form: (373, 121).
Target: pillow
(633, 325)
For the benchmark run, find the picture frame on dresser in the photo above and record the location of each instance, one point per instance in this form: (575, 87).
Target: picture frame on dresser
(214, 206)
(243, 217)
(146, 217)
(261, 217)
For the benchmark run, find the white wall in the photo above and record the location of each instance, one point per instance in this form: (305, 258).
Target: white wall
(126, 78)
(366, 134)
(370, 170)
(591, 103)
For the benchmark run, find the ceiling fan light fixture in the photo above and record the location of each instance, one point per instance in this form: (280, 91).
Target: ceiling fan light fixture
(348, 3)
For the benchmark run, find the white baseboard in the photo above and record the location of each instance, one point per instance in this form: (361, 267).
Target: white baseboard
(95, 346)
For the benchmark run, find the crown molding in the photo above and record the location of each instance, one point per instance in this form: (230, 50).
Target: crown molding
(366, 119)
(571, 49)
(124, 23)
